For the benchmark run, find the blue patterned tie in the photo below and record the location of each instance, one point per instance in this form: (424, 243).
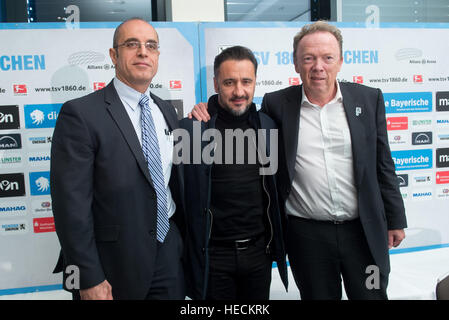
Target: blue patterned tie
(151, 151)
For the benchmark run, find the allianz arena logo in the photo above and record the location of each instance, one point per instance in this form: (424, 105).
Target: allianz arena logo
(41, 115)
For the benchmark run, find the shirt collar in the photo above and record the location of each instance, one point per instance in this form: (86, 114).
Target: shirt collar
(337, 99)
(129, 95)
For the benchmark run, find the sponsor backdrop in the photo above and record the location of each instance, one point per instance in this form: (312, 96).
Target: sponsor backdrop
(48, 66)
(53, 64)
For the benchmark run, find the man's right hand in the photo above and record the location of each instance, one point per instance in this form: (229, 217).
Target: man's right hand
(200, 113)
(102, 291)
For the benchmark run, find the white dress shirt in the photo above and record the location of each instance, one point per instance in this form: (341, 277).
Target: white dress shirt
(323, 184)
(130, 99)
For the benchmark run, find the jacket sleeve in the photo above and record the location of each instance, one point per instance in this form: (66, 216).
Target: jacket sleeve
(72, 184)
(386, 175)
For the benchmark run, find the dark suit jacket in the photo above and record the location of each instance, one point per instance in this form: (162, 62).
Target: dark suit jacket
(104, 202)
(379, 200)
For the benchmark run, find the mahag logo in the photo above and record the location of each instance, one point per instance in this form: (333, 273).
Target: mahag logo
(41, 115)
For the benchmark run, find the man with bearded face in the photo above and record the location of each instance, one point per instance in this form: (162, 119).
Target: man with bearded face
(233, 215)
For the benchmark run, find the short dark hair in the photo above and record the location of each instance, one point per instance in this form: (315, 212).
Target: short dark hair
(234, 53)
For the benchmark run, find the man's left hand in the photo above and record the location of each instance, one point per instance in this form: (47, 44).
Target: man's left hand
(395, 237)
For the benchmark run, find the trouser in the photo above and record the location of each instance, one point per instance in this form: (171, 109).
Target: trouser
(321, 254)
(168, 278)
(239, 273)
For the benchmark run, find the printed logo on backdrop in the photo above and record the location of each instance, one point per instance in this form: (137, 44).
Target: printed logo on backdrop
(2, 90)
(294, 81)
(10, 160)
(175, 84)
(39, 159)
(422, 195)
(99, 85)
(41, 115)
(89, 58)
(419, 123)
(397, 138)
(397, 123)
(442, 157)
(20, 89)
(417, 78)
(412, 159)
(39, 141)
(442, 122)
(442, 177)
(9, 117)
(13, 209)
(13, 227)
(422, 179)
(361, 56)
(443, 138)
(408, 102)
(421, 138)
(403, 180)
(41, 225)
(442, 193)
(10, 141)
(41, 206)
(442, 101)
(408, 53)
(39, 183)
(357, 79)
(19, 62)
(413, 56)
(12, 185)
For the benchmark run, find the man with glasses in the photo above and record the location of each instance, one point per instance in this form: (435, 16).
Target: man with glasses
(117, 196)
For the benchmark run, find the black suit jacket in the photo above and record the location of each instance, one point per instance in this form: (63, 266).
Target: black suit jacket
(379, 200)
(104, 202)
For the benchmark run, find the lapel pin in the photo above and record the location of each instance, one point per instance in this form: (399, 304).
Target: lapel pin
(358, 111)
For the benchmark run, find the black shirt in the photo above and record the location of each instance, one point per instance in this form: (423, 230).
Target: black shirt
(237, 192)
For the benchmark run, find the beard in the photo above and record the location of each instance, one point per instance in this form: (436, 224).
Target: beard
(235, 112)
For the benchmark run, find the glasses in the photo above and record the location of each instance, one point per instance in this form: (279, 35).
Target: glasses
(134, 45)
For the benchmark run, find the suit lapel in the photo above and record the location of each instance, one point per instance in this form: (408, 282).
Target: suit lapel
(290, 127)
(121, 118)
(354, 113)
(170, 117)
